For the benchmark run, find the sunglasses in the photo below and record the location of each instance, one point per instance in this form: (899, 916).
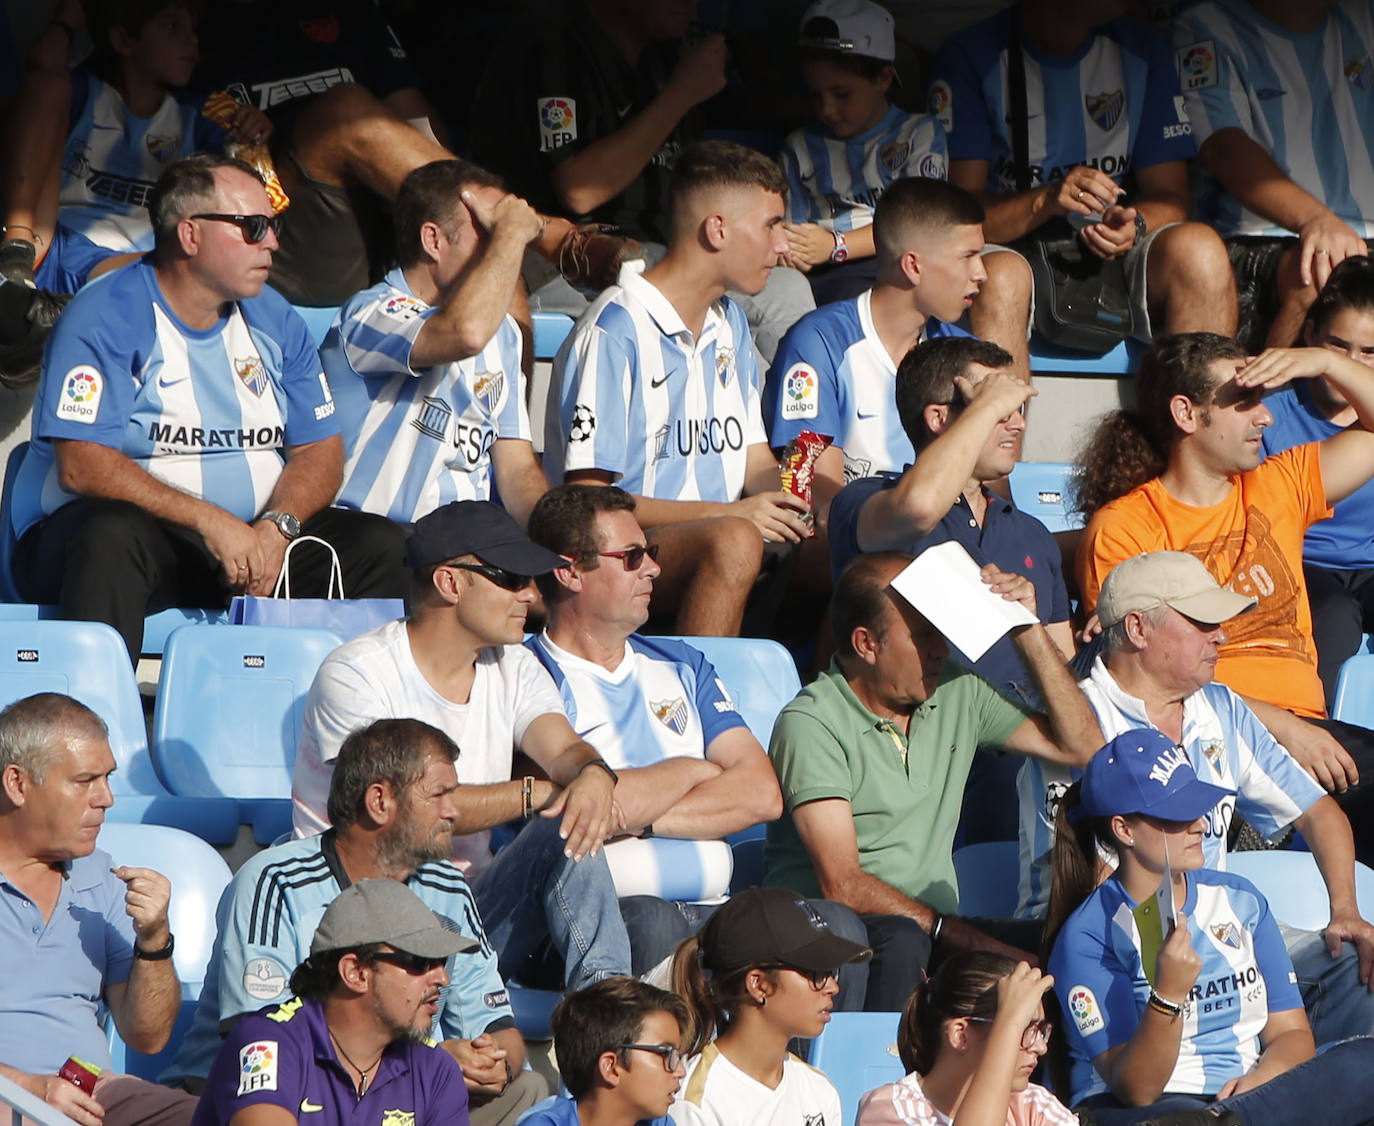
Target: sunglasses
(1038, 1031)
(633, 557)
(817, 978)
(506, 580)
(413, 964)
(670, 1055)
(254, 227)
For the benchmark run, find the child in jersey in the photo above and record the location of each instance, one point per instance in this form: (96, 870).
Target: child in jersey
(762, 971)
(1214, 1020)
(837, 168)
(969, 1037)
(618, 1045)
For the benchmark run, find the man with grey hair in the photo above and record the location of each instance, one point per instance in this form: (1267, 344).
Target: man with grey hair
(392, 810)
(183, 432)
(84, 932)
(1162, 615)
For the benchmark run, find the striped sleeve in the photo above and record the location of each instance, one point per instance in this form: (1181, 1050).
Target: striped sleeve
(800, 206)
(1272, 790)
(594, 399)
(505, 350)
(1213, 76)
(898, 1104)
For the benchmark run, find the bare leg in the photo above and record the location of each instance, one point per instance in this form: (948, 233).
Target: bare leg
(1190, 282)
(709, 568)
(1001, 312)
(33, 172)
(1294, 301)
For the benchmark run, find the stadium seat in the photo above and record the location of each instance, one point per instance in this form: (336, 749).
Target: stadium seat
(129, 1062)
(228, 715)
(1041, 489)
(987, 875)
(317, 320)
(87, 660)
(748, 870)
(550, 330)
(1293, 885)
(1121, 360)
(759, 674)
(532, 1009)
(1355, 690)
(857, 1052)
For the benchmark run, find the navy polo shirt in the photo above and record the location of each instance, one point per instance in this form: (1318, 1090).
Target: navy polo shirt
(1008, 537)
(282, 1055)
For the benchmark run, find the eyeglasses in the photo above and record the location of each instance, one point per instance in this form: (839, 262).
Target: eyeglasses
(1037, 1031)
(254, 227)
(633, 557)
(413, 964)
(506, 580)
(817, 978)
(670, 1055)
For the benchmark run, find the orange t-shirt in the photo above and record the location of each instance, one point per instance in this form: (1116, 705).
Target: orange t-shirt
(1252, 543)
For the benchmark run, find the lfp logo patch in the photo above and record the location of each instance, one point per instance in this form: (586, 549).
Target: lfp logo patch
(800, 392)
(1086, 1012)
(1197, 65)
(557, 122)
(79, 400)
(258, 1066)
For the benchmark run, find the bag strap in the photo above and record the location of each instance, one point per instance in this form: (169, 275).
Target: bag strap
(1016, 95)
(283, 587)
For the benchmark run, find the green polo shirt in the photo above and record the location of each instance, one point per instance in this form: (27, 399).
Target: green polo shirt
(826, 744)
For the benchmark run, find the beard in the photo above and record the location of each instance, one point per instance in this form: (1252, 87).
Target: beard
(400, 849)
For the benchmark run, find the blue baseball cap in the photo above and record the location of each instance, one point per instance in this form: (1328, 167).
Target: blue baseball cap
(1144, 771)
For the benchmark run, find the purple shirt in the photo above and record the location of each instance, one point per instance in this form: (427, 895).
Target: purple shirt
(282, 1055)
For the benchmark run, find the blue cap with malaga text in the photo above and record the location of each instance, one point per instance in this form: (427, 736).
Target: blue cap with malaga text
(1144, 771)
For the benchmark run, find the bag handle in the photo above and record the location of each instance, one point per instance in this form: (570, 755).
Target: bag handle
(283, 587)
(1016, 96)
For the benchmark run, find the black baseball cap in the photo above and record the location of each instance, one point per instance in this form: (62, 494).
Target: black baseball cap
(480, 528)
(764, 925)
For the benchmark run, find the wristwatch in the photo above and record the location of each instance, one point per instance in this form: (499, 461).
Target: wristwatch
(604, 765)
(841, 251)
(286, 524)
(160, 955)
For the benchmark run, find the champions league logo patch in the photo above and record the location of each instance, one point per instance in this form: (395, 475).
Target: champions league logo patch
(253, 374)
(487, 387)
(725, 363)
(583, 423)
(893, 154)
(434, 418)
(1105, 109)
(1357, 73)
(1228, 934)
(162, 148)
(671, 713)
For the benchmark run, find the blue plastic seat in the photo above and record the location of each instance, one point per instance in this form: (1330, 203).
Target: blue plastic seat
(228, 715)
(317, 320)
(759, 674)
(857, 1052)
(550, 330)
(988, 875)
(1293, 885)
(1041, 489)
(87, 661)
(1121, 360)
(1355, 691)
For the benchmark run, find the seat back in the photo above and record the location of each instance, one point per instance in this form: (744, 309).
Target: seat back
(857, 1052)
(1293, 885)
(760, 675)
(229, 707)
(1355, 691)
(988, 874)
(1041, 489)
(8, 539)
(317, 320)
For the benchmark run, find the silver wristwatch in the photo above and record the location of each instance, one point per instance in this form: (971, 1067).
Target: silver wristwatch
(286, 524)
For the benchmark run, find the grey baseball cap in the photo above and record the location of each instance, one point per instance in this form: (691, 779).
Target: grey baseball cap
(386, 911)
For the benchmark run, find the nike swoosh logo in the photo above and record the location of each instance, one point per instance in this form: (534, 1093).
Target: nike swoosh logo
(307, 1106)
(657, 382)
(163, 381)
(621, 111)
(867, 414)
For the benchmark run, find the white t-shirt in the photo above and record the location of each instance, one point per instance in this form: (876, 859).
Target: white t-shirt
(717, 1093)
(375, 677)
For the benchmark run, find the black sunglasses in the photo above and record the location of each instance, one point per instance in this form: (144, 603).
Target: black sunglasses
(506, 580)
(254, 227)
(413, 964)
(633, 557)
(670, 1055)
(817, 978)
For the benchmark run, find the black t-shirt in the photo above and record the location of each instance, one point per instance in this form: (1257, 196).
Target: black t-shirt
(541, 101)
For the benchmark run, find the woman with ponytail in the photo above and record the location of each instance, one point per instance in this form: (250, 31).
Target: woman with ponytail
(970, 1037)
(1198, 1013)
(761, 972)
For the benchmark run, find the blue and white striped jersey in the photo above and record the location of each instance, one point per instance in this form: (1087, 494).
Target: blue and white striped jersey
(1114, 105)
(1306, 98)
(833, 375)
(417, 440)
(1227, 746)
(836, 182)
(668, 416)
(208, 412)
(1246, 974)
(267, 918)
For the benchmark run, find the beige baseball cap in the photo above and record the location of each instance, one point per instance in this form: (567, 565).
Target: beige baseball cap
(1168, 578)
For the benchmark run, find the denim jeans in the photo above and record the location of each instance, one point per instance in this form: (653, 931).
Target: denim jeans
(1334, 1088)
(1337, 1005)
(532, 891)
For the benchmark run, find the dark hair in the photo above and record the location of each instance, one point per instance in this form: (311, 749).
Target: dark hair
(318, 976)
(185, 186)
(1073, 862)
(1350, 286)
(714, 1001)
(564, 520)
(964, 986)
(393, 751)
(601, 1017)
(711, 166)
(1130, 447)
(916, 206)
(431, 194)
(926, 376)
(861, 599)
(103, 16)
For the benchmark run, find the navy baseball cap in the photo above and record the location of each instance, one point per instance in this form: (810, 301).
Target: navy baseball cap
(480, 528)
(1144, 771)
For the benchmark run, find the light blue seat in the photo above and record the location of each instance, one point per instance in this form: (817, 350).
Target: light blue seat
(1121, 360)
(987, 875)
(1293, 885)
(317, 320)
(129, 1062)
(228, 715)
(87, 661)
(857, 1052)
(1041, 489)
(760, 675)
(1355, 690)
(550, 330)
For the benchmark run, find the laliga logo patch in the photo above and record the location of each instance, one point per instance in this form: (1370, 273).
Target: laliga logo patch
(1357, 73)
(162, 148)
(253, 374)
(800, 391)
(940, 105)
(487, 387)
(403, 308)
(1197, 65)
(557, 122)
(1105, 109)
(671, 713)
(82, 388)
(1084, 1009)
(893, 154)
(258, 1067)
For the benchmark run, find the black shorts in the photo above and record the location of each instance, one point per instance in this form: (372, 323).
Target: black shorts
(1255, 262)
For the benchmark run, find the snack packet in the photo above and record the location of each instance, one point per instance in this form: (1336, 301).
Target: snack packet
(80, 1072)
(219, 108)
(799, 466)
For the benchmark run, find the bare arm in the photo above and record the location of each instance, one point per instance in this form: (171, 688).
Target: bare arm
(485, 807)
(65, 1096)
(1287, 1040)
(1316, 749)
(264, 1114)
(519, 480)
(588, 792)
(1326, 829)
(488, 1060)
(145, 1006)
(1069, 733)
(1013, 214)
